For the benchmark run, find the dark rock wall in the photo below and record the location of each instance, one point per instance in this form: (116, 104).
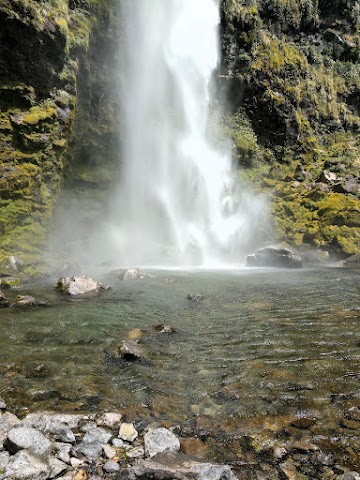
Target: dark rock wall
(292, 72)
(53, 112)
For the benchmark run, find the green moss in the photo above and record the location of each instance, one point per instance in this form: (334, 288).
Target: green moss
(41, 113)
(274, 55)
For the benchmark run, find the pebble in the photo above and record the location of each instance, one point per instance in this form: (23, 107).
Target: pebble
(109, 451)
(111, 467)
(128, 432)
(136, 452)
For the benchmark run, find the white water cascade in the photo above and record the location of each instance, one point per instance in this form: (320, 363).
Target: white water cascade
(173, 206)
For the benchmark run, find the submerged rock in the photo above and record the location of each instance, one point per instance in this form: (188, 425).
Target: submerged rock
(4, 302)
(27, 301)
(164, 328)
(78, 285)
(134, 273)
(131, 351)
(195, 297)
(274, 257)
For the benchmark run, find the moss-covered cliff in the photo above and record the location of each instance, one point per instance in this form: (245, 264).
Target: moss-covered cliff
(51, 69)
(292, 70)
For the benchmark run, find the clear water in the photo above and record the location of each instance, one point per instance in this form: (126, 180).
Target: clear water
(262, 344)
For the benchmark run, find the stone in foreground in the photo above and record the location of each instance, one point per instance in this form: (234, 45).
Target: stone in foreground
(274, 257)
(179, 467)
(160, 440)
(26, 466)
(78, 285)
(28, 438)
(128, 432)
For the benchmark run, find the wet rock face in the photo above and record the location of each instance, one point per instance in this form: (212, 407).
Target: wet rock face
(274, 257)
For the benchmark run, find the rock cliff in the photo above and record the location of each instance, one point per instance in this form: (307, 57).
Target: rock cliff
(291, 73)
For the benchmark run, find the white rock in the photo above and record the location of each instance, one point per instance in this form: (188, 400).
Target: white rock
(128, 432)
(26, 466)
(97, 435)
(160, 440)
(136, 452)
(4, 460)
(109, 451)
(109, 420)
(56, 467)
(63, 453)
(111, 467)
(78, 285)
(75, 462)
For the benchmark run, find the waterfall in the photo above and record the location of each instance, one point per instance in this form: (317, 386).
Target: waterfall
(173, 205)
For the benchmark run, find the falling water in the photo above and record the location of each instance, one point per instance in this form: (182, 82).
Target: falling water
(173, 206)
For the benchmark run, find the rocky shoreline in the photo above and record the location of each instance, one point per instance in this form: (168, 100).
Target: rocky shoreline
(62, 446)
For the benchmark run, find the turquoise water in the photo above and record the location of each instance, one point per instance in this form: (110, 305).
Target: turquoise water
(262, 343)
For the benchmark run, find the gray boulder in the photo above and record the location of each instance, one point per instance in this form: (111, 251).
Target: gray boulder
(26, 466)
(78, 285)
(7, 422)
(160, 440)
(274, 257)
(60, 426)
(20, 438)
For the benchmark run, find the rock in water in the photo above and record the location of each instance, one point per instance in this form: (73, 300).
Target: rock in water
(160, 440)
(134, 273)
(27, 301)
(130, 351)
(195, 297)
(78, 285)
(274, 257)
(3, 301)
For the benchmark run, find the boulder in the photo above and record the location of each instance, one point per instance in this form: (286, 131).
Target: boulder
(58, 425)
(20, 438)
(327, 177)
(26, 466)
(27, 301)
(56, 467)
(134, 273)
(7, 422)
(97, 435)
(160, 440)
(4, 460)
(130, 350)
(78, 285)
(274, 257)
(110, 420)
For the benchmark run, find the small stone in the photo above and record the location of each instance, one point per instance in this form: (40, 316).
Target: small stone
(128, 432)
(56, 466)
(350, 424)
(303, 423)
(109, 451)
(109, 420)
(111, 467)
(2, 404)
(80, 475)
(195, 297)
(136, 452)
(97, 435)
(160, 440)
(349, 476)
(27, 301)
(164, 328)
(118, 443)
(75, 462)
(279, 453)
(63, 453)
